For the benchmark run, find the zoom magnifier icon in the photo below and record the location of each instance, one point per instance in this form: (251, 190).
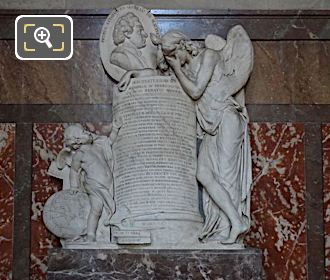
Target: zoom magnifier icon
(42, 35)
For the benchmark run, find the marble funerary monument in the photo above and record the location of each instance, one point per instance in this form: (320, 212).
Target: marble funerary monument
(146, 185)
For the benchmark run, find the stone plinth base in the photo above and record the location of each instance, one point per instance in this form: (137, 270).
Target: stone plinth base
(154, 264)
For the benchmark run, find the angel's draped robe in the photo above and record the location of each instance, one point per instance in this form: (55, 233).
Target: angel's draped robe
(225, 150)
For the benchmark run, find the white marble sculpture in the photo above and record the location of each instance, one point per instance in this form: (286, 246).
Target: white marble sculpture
(143, 185)
(85, 164)
(214, 77)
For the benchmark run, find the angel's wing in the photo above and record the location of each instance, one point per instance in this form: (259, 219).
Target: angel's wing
(214, 42)
(237, 56)
(238, 60)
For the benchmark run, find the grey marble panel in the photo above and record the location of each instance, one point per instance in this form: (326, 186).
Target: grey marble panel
(314, 201)
(154, 264)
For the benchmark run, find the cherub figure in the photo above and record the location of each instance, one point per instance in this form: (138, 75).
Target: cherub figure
(214, 77)
(91, 171)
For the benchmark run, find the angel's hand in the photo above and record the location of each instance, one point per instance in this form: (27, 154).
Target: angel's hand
(174, 62)
(125, 80)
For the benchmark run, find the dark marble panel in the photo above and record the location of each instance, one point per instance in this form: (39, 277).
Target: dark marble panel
(22, 203)
(290, 72)
(270, 80)
(326, 194)
(45, 82)
(10, 74)
(285, 72)
(311, 71)
(278, 199)
(7, 24)
(152, 264)
(38, 82)
(261, 26)
(43, 113)
(90, 83)
(7, 170)
(314, 200)
(80, 80)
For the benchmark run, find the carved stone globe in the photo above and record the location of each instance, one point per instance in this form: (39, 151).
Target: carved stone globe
(65, 214)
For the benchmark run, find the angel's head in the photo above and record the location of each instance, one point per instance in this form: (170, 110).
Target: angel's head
(176, 44)
(75, 136)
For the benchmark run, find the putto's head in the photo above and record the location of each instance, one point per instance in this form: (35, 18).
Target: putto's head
(75, 136)
(128, 27)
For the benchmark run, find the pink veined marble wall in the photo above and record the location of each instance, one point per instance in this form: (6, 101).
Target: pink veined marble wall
(278, 199)
(326, 195)
(7, 171)
(277, 208)
(47, 142)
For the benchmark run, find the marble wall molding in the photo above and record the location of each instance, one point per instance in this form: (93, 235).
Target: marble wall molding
(187, 4)
(55, 113)
(261, 25)
(22, 205)
(181, 12)
(314, 200)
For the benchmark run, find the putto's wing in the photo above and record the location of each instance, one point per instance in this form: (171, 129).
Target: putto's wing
(237, 58)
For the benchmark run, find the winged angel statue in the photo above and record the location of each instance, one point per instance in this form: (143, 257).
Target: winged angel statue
(214, 76)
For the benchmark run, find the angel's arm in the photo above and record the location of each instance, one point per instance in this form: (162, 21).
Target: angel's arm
(196, 86)
(139, 73)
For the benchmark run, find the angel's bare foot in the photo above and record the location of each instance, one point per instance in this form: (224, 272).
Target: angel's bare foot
(236, 230)
(91, 238)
